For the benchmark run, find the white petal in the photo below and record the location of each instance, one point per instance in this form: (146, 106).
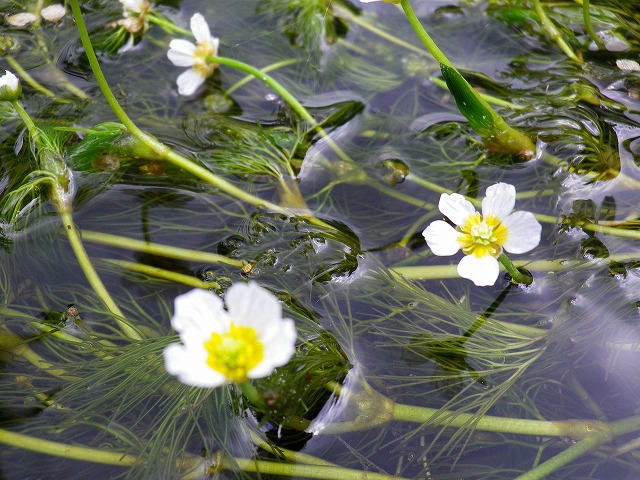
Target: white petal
(455, 207)
(215, 44)
(523, 232)
(200, 28)
(53, 13)
(442, 238)
(189, 368)
(9, 80)
(21, 19)
(499, 201)
(253, 306)
(189, 81)
(133, 5)
(278, 350)
(199, 312)
(181, 53)
(483, 271)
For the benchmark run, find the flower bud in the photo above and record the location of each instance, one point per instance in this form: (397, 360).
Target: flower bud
(53, 13)
(21, 20)
(10, 88)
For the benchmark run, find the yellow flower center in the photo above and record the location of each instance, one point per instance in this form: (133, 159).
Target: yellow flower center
(482, 236)
(200, 65)
(234, 353)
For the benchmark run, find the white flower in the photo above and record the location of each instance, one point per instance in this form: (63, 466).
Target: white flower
(247, 340)
(482, 237)
(185, 54)
(21, 19)
(135, 15)
(10, 88)
(134, 6)
(53, 13)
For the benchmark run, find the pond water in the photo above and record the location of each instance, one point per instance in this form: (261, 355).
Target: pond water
(402, 368)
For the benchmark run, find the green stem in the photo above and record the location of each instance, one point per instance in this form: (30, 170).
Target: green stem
(487, 423)
(573, 452)
(618, 232)
(167, 24)
(286, 96)
(163, 274)
(160, 250)
(485, 316)
(596, 435)
(92, 276)
(553, 32)
(344, 13)
(589, 26)
(358, 20)
(64, 450)
(269, 68)
(274, 84)
(251, 393)
(26, 119)
(423, 35)
(516, 275)
(302, 471)
(584, 396)
(289, 455)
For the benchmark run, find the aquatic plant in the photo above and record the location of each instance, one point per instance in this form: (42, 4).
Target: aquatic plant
(288, 180)
(483, 237)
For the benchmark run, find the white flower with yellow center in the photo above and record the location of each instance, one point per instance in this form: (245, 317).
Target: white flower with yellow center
(482, 237)
(247, 340)
(185, 54)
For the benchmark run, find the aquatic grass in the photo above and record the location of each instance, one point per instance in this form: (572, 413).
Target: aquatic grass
(413, 343)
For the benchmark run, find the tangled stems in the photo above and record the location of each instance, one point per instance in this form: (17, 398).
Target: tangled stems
(91, 274)
(588, 434)
(596, 434)
(553, 32)
(190, 463)
(64, 210)
(163, 152)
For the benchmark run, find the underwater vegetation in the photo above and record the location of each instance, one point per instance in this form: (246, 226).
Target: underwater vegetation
(320, 239)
